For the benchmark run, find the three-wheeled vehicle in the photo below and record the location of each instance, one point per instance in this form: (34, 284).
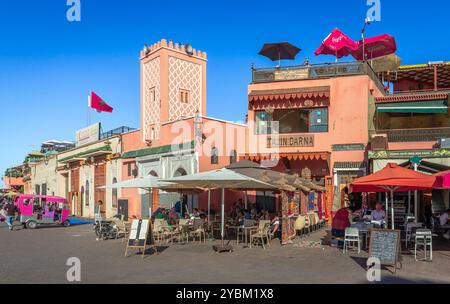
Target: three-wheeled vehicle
(37, 210)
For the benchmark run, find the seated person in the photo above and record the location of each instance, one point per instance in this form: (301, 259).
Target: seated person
(443, 220)
(240, 218)
(247, 215)
(378, 215)
(275, 224)
(196, 213)
(342, 219)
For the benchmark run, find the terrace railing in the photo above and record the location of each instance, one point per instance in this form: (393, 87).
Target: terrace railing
(415, 135)
(315, 71)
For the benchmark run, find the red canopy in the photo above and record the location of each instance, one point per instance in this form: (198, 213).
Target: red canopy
(375, 47)
(442, 180)
(337, 44)
(393, 178)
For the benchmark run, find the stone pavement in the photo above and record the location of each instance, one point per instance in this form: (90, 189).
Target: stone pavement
(40, 256)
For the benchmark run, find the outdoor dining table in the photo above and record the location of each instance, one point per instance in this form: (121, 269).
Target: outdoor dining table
(364, 230)
(247, 230)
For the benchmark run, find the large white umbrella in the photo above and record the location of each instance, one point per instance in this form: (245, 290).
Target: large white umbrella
(143, 183)
(147, 183)
(220, 179)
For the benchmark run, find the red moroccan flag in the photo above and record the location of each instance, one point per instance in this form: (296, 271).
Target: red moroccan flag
(98, 104)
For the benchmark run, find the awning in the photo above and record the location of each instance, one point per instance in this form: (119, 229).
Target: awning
(433, 106)
(291, 156)
(289, 94)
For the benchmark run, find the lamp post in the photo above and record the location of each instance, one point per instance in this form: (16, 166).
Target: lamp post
(366, 23)
(416, 160)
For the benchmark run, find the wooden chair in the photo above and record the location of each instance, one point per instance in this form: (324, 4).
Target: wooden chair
(261, 234)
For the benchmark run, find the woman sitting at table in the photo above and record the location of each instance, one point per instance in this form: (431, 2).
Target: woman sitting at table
(378, 215)
(275, 225)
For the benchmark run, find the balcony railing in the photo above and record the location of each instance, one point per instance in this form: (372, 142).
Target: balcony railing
(415, 135)
(315, 71)
(117, 131)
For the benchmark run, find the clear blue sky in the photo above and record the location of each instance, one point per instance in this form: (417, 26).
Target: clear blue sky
(48, 65)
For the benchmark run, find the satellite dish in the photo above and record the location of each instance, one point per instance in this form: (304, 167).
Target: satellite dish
(189, 49)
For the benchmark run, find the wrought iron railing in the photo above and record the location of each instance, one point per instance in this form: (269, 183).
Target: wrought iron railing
(116, 131)
(415, 135)
(315, 71)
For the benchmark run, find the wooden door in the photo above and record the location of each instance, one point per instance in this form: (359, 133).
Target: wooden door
(100, 181)
(74, 189)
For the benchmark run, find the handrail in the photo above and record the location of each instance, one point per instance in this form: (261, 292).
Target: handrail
(414, 134)
(315, 71)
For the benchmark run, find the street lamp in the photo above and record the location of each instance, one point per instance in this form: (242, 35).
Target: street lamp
(367, 22)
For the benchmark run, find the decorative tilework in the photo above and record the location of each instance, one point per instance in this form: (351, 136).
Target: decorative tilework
(187, 76)
(151, 75)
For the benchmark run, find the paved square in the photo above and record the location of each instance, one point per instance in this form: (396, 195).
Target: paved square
(40, 256)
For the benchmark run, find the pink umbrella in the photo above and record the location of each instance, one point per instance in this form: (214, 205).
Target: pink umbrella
(442, 180)
(375, 47)
(337, 44)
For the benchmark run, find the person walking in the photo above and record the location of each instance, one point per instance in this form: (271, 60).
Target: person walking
(10, 210)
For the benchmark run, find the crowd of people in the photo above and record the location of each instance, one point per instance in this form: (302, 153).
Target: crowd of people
(236, 216)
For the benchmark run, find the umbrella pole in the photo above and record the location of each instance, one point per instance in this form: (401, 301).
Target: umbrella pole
(150, 193)
(392, 209)
(209, 206)
(223, 215)
(387, 210)
(245, 199)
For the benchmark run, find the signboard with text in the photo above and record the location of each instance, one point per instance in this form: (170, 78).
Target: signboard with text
(283, 141)
(88, 135)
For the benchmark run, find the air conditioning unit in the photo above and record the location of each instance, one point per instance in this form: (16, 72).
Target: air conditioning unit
(444, 143)
(379, 142)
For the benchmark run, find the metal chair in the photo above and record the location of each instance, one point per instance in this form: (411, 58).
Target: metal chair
(351, 237)
(424, 237)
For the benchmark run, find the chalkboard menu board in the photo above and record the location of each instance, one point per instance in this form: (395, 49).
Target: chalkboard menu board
(385, 245)
(141, 236)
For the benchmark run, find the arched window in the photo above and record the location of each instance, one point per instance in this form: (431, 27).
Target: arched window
(86, 195)
(114, 194)
(233, 156)
(180, 172)
(214, 156)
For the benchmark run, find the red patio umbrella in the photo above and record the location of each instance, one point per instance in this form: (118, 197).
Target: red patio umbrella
(337, 44)
(375, 47)
(393, 178)
(442, 180)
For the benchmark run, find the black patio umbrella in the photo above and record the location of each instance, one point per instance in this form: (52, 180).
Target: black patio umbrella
(279, 50)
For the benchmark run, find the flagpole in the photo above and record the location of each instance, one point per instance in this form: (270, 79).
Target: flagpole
(88, 116)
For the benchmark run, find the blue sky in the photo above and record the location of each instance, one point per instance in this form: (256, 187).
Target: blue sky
(48, 65)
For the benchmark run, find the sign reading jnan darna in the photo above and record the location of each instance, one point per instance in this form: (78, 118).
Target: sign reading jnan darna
(290, 141)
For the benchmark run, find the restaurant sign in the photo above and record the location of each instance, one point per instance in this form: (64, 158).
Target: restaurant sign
(407, 154)
(290, 141)
(88, 135)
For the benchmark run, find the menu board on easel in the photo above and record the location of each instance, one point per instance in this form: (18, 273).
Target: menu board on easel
(385, 245)
(140, 236)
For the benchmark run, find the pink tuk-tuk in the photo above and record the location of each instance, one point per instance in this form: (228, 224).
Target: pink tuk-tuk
(37, 210)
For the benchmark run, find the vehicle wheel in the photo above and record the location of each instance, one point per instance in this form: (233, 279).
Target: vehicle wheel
(66, 223)
(31, 225)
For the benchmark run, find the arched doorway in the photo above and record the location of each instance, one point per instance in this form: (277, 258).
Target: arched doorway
(180, 172)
